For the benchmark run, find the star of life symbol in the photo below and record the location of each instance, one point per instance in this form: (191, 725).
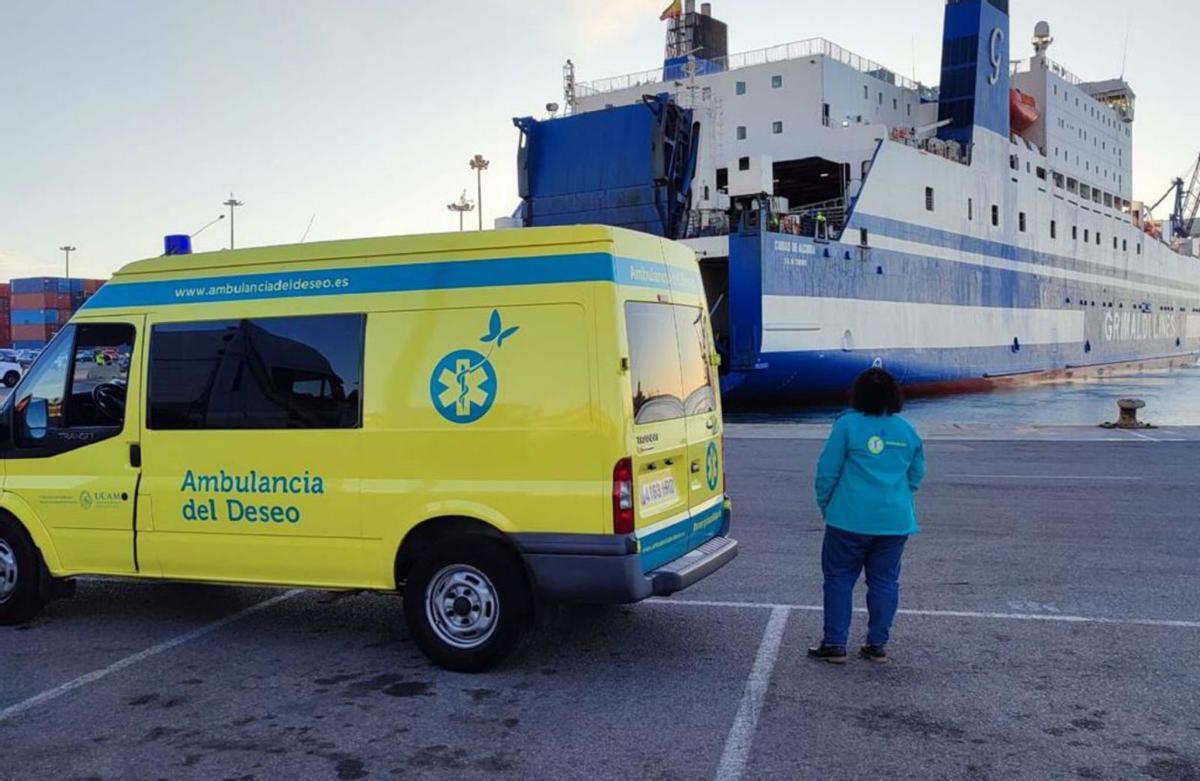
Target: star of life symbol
(468, 381)
(463, 385)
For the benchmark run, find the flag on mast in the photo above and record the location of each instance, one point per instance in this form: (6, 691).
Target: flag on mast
(673, 11)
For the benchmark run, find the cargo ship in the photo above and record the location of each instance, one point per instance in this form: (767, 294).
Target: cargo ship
(978, 233)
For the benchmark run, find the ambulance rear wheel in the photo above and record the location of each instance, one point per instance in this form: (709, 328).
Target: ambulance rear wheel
(467, 603)
(11, 379)
(20, 598)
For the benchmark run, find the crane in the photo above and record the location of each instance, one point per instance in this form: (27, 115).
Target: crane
(1187, 202)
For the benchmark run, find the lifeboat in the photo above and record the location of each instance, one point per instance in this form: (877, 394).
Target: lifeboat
(1022, 110)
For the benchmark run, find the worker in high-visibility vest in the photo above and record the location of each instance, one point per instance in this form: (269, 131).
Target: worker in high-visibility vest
(821, 233)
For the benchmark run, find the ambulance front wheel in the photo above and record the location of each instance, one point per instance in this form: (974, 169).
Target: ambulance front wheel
(20, 569)
(467, 603)
(11, 379)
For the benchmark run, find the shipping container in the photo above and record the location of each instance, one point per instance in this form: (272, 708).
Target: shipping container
(22, 333)
(41, 285)
(29, 344)
(40, 301)
(38, 317)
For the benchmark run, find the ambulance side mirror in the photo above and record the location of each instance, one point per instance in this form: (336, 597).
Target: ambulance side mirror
(35, 419)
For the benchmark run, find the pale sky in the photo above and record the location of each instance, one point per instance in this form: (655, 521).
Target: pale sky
(121, 121)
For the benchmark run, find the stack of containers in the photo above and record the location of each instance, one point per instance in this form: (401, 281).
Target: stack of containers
(5, 316)
(40, 306)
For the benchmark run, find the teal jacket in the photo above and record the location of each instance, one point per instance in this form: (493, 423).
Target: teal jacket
(868, 472)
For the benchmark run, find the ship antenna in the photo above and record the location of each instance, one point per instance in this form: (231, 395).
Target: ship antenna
(1125, 54)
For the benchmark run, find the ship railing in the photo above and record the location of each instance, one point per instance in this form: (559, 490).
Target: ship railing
(706, 222)
(811, 47)
(824, 220)
(1026, 66)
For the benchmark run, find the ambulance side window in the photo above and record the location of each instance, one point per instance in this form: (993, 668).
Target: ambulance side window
(81, 382)
(41, 397)
(261, 373)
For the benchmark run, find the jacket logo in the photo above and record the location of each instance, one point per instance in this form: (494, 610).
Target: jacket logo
(875, 445)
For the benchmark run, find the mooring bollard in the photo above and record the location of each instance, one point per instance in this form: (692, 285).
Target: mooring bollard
(1128, 415)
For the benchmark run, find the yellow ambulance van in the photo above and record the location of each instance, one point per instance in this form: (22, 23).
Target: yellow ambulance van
(481, 421)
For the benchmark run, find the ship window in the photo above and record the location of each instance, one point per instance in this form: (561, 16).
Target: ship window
(970, 208)
(881, 97)
(1124, 245)
(928, 199)
(1053, 229)
(1041, 173)
(1086, 235)
(862, 236)
(740, 88)
(776, 127)
(895, 104)
(995, 215)
(1021, 222)
(866, 92)
(1139, 248)
(908, 109)
(741, 132)
(776, 81)
(1014, 163)
(1114, 242)
(1097, 238)
(722, 179)
(743, 163)
(1075, 233)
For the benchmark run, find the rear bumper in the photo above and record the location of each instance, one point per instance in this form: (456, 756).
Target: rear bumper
(607, 568)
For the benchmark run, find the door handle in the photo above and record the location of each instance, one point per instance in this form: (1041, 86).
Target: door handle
(695, 467)
(711, 424)
(135, 456)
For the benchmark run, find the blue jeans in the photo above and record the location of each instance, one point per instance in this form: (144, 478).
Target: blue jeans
(844, 555)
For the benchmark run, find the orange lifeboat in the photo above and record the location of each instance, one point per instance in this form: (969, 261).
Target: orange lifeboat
(1023, 110)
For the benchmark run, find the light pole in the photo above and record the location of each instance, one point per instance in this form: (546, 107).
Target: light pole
(462, 206)
(67, 249)
(232, 203)
(479, 165)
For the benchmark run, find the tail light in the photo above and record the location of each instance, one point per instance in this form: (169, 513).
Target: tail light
(622, 497)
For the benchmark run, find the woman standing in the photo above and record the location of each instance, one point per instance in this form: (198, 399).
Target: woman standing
(867, 474)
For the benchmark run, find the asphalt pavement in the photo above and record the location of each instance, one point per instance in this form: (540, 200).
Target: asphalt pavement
(1050, 626)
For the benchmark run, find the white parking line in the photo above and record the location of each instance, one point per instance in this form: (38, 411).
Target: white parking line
(741, 734)
(1052, 618)
(140, 656)
(1102, 478)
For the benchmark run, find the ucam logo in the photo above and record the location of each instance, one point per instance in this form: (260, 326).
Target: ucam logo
(463, 385)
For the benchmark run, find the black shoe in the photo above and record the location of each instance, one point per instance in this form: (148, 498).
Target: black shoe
(828, 653)
(873, 653)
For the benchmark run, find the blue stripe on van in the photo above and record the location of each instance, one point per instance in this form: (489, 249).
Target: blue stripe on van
(677, 539)
(448, 275)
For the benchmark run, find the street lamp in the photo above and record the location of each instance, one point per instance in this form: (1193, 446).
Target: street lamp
(479, 165)
(232, 203)
(463, 205)
(67, 249)
(208, 224)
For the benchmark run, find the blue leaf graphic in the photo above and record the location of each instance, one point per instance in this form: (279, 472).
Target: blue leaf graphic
(488, 337)
(507, 333)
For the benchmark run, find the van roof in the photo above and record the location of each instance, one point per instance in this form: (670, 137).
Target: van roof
(393, 248)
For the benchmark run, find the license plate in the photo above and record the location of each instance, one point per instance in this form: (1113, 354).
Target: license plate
(660, 491)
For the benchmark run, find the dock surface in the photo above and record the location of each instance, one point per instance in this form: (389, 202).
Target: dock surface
(1049, 626)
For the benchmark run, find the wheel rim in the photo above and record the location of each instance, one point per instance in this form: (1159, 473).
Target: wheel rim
(8, 571)
(462, 606)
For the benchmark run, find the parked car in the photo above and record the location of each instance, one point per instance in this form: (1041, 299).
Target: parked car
(10, 372)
